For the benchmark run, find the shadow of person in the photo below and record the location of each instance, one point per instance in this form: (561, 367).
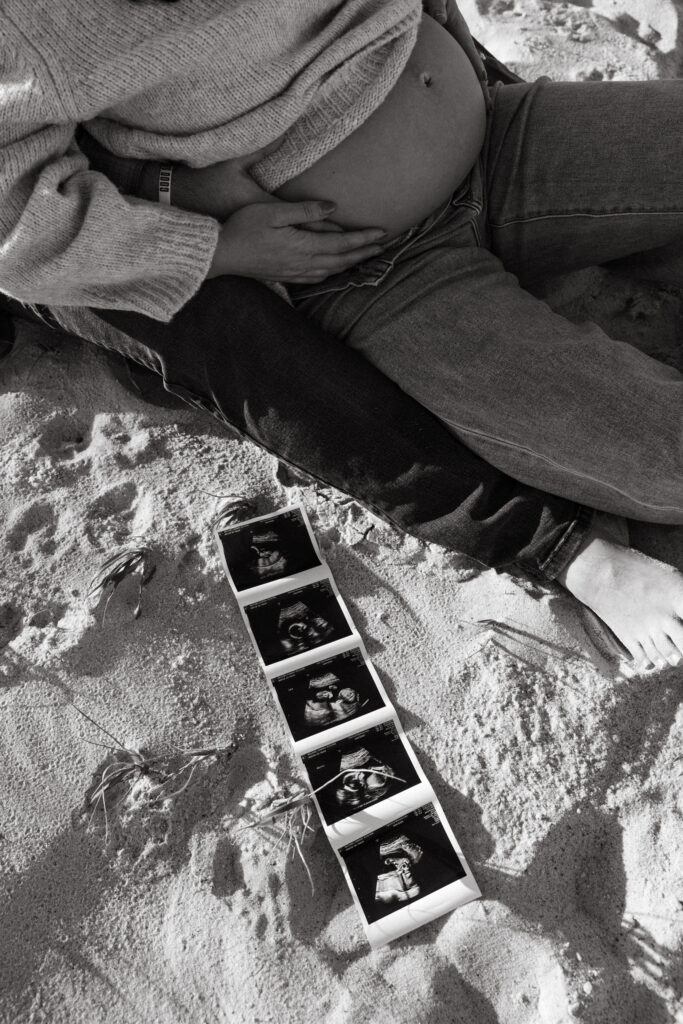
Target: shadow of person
(575, 887)
(47, 906)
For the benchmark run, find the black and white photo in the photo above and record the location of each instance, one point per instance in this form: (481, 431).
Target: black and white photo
(360, 771)
(327, 693)
(401, 862)
(267, 549)
(298, 621)
(341, 419)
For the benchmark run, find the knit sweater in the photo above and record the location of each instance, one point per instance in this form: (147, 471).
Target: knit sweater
(198, 82)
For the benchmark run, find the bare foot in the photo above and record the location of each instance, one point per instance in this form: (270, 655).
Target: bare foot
(639, 598)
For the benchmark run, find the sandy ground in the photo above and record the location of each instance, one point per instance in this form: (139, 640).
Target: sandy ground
(560, 776)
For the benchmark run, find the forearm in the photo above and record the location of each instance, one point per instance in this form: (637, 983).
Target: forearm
(140, 178)
(68, 238)
(214, 191)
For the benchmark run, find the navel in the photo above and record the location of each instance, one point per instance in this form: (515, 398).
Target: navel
(426, 79)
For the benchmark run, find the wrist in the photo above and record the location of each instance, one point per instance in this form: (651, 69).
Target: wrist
(185, 190)
(225, 258)
(149, 181)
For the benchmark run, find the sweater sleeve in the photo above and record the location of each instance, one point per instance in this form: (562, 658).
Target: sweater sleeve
(67, 236)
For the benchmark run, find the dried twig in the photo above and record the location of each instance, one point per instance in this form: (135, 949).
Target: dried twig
(295, 824)
(286, 804)
(510, 630)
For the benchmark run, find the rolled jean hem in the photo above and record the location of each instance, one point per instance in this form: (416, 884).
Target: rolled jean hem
(566, 547)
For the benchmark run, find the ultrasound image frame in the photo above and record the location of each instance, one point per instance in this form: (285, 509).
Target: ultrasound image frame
(297, 546)
(271, 621)
(384, 746)
(439, 864)
(351, 668)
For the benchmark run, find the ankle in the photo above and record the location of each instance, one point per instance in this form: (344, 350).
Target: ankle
(589, 567)
(592, 566)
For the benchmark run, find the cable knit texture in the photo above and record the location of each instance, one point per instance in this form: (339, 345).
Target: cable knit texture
(197, 82)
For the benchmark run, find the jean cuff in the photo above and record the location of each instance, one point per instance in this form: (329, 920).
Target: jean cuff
(568, 545)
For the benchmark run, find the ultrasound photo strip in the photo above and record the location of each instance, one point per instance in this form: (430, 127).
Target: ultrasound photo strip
(376, 806)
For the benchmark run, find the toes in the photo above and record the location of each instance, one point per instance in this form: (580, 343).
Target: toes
(652, 654)
(640, 658)
(668, 649)
(674, 631)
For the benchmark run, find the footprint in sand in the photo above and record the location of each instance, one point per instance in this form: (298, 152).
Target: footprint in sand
(38, 519)
(63, 448)
(282, 891)
(49, 614)
(108, 520)
(65, 436)
(192, 560)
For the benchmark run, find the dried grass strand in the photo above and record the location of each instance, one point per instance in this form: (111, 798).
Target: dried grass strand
(235, 510)
(137, 764)
(300, 799)
(97, 725)
(115, 569)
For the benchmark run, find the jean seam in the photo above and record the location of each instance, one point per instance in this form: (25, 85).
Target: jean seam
(476, 208)
(596, 216)
(419, 234)
(559, 465)
(412, 235)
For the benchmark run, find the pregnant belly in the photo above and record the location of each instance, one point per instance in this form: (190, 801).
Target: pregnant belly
(413, 151)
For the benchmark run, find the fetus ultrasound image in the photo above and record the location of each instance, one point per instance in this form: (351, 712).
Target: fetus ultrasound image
(401, 862)
(360, 771)
(297, 621)
(329, 692)
(268, 549)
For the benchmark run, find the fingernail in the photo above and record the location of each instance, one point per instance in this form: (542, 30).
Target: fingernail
(328, 206)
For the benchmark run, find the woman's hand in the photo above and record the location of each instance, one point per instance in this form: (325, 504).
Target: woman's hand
(270, 242)
(225, 187)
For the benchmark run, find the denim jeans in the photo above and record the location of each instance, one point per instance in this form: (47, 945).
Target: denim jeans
(240, 353)
(571, 175)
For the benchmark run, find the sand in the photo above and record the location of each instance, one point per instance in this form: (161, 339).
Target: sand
(560, 775)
